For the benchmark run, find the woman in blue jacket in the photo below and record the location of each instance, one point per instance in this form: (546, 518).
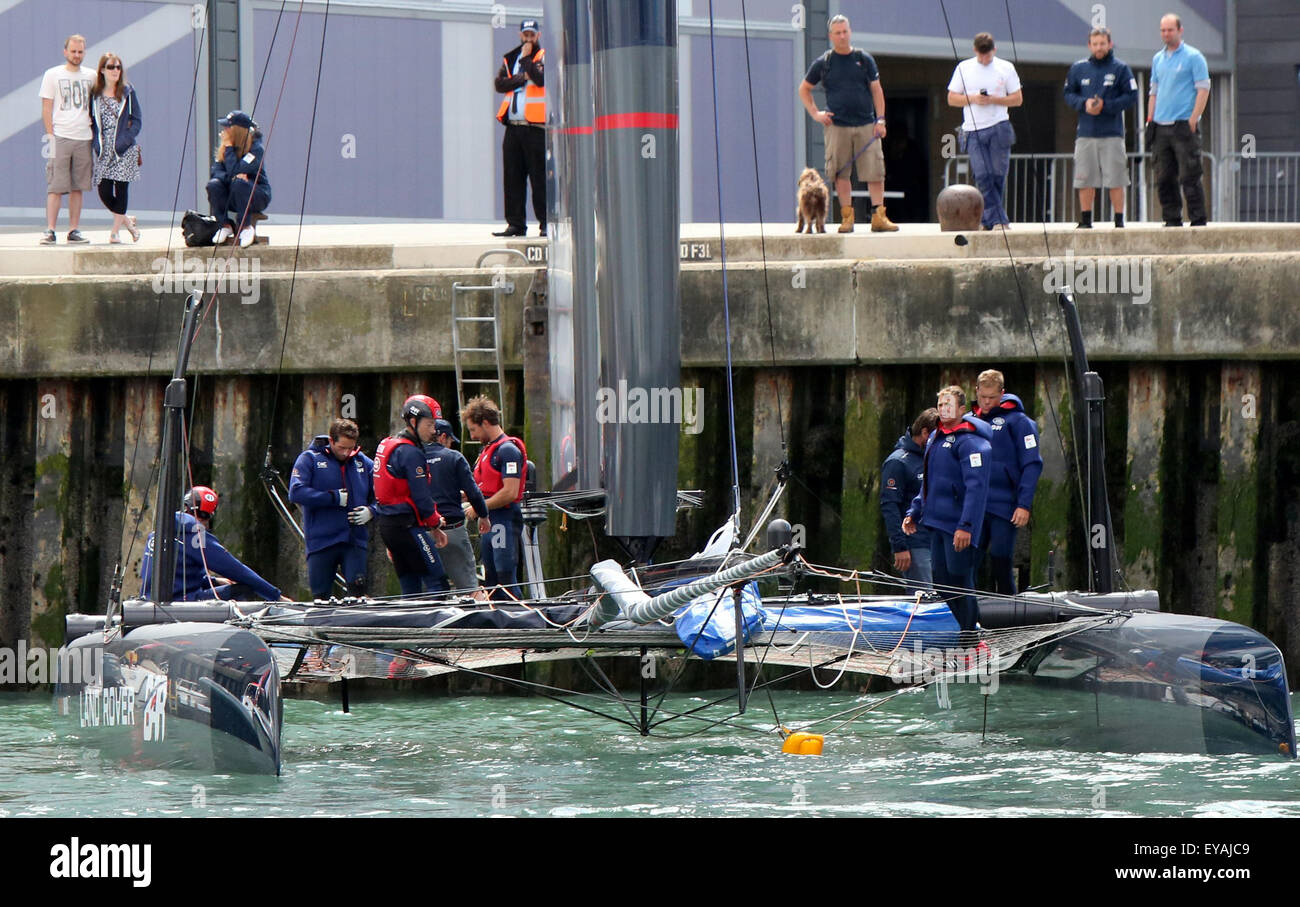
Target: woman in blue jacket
(115, 122)
(239, 186)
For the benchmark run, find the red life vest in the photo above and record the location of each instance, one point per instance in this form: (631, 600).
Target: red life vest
(490, 480)
(389, 489)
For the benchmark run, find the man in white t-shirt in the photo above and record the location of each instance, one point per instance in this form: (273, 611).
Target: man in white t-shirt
(985, 88)
(65, 110)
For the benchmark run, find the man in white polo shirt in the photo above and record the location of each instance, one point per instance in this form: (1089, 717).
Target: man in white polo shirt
(65, 110)
(985, 88)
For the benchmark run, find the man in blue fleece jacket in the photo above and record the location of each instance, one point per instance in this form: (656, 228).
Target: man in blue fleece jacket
(1100, 88)
(332, 483)
(953, 496)
(1017, 464)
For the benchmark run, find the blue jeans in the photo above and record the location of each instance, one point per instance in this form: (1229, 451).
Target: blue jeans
(990, 156)
(920, 573)
(499, 551)
(1000, 542)
(345, 558)
(956, 569)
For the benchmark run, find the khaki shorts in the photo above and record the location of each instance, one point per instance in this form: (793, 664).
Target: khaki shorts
(843, 142)
(1100, 162)
(70, 168)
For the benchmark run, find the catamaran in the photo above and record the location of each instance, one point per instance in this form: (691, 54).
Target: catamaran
(203, 680)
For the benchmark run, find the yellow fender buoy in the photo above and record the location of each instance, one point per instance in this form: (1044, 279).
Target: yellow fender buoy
(803, 744)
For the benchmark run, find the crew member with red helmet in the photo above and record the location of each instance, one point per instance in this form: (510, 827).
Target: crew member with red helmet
(499, 473)
(407, 516)
(204, 568)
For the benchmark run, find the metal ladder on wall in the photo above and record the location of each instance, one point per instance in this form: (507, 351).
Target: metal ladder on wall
(467, 310)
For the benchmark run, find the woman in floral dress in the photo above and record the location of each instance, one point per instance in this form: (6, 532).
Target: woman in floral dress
(115, 122)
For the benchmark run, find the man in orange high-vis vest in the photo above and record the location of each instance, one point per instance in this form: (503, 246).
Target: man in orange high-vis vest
(523, 112)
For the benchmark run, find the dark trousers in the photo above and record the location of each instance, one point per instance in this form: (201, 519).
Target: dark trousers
(956, 569)
(229, 201)
(990, 156)
(1000, 543)
(414, 555)
(499, 551)
(113, 194)
(523, 162)
(1177, 154)
(345, 558)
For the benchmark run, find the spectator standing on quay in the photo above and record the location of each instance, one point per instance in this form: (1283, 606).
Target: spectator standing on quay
(986, 87)
(1180, 89)
(115, 122)
(853, 123)
(1100, 88)
(65, 111)
(522, 79)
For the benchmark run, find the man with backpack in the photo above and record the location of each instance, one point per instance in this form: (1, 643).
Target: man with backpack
(853, 123)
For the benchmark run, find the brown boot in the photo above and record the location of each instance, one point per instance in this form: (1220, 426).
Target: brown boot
(846, 219)
(880, 223)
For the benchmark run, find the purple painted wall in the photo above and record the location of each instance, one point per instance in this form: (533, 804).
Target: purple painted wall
(1213, 11)
(772, 64)
(1041, 21)
(379, 83)
(33, 34)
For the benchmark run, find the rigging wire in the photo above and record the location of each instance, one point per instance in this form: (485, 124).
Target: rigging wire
(726, 304)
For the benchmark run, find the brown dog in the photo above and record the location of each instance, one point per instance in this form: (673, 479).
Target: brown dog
(811, 207)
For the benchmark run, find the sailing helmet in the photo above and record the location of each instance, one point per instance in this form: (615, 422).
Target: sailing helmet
(201, 499)
(420, 406)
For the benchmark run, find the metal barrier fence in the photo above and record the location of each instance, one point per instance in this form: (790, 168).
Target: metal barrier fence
(1040, 187)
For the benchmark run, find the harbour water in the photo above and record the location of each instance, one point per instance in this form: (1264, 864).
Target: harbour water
(416, 755)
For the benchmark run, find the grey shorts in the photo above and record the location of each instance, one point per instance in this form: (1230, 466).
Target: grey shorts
(70, 168)
(1100, 162)
(458, 559)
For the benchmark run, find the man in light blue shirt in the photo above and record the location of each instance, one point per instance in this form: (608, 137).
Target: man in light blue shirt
(1180, 88)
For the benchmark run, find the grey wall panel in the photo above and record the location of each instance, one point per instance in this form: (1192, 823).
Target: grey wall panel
(1032, 21)
(377, 85)
(774, 85)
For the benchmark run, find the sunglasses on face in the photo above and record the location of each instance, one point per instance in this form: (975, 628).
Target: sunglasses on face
(113, 66)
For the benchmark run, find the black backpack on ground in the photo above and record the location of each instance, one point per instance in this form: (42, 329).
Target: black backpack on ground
(199, 229)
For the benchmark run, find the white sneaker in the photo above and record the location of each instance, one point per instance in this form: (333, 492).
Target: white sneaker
(246, 237)
(222, 235)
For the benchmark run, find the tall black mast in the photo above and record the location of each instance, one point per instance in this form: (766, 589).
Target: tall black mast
(1090, 439)
(170, 475)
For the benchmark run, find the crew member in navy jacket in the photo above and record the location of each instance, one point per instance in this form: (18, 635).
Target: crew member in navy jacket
(900, 481)
(332, 483)
(204, 569)
(407, 515)
(1100, 88)
(451, 481)
(954, 493)
(1017, 464)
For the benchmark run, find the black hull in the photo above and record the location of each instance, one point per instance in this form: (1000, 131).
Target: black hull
(196, 696)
